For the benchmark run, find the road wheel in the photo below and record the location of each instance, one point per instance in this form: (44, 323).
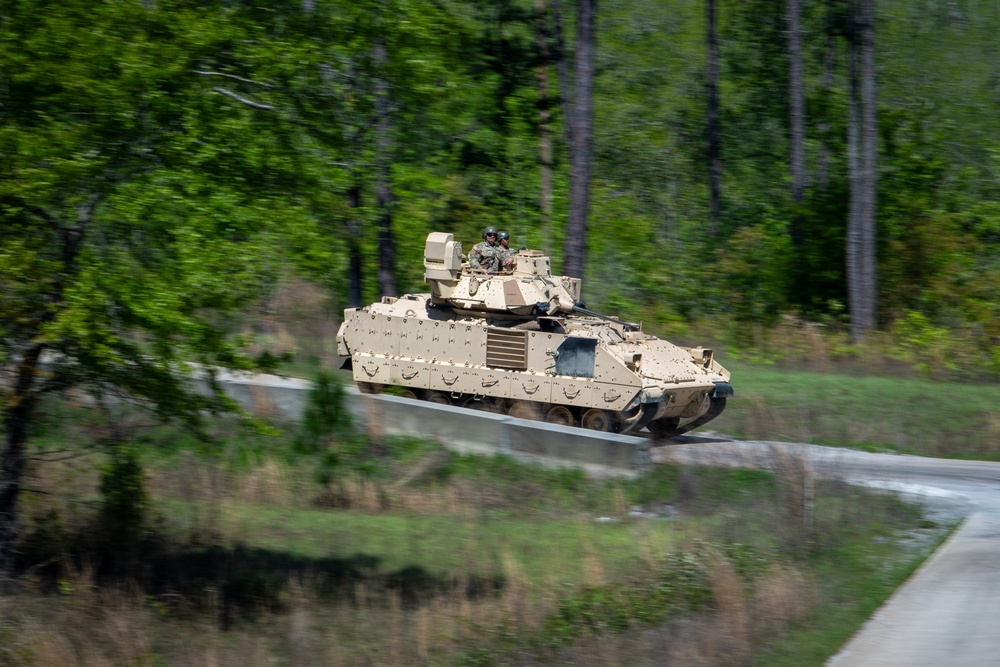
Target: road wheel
(664, 428)
(410, 393)
(482, 403)
(525, 410)
(371, 387)
(491, 404)
(561, 415)
(597, 420)
(439, 397)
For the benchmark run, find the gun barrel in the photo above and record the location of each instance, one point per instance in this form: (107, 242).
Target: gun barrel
(584, 311)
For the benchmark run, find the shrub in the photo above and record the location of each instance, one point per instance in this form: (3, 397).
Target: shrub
(326, 415)
(124, 501)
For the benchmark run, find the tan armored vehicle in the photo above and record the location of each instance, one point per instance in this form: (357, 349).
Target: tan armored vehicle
(518, 342)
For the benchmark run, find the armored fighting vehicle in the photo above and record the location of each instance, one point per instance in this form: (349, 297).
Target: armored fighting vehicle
(521, 343)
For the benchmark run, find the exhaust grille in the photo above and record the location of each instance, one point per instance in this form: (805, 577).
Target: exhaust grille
(507, 349)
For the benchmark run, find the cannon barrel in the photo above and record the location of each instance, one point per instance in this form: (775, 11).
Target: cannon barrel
(629, 326)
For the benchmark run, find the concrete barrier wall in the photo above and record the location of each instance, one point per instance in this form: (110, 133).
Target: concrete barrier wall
(268, 396)
(468, 431)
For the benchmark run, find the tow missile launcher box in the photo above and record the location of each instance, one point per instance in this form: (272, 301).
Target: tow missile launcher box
(519, 342)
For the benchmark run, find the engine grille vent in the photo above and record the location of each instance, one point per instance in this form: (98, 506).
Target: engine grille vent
(507, 349)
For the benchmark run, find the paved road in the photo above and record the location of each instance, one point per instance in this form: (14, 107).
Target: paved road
(948, 613)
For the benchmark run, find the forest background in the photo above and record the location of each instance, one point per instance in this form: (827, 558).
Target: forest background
(336, 135)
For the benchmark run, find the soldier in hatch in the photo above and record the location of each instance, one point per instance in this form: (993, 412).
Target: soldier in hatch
(505, 254)
(484, 256)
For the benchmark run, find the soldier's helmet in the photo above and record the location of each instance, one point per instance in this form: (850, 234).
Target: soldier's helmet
(489, 230)
(503, 235)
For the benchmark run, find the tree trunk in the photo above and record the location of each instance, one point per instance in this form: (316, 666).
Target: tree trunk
(19, 406)
(869, 163)
(353, 225)
(562, 71)
(383, 186)
(574, 253)
(18, 411)
(354, 265)
(829, 66)
(544, 121)
(861, 158)
(853, 236)
(797, 115)
(714, 127)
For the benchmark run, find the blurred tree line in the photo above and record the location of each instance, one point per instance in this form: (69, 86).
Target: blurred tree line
(718, 178)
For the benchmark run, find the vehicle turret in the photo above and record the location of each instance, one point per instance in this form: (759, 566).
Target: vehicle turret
(529, 288)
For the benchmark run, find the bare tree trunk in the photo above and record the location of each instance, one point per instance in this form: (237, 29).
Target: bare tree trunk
(869, 174)
(383, 186)
(562, 71)
(353, 224)
(797, 120)
(544, 120)
(829, 65)
(21, 399)
(354, 266)
(853, 235)
(714, 126)
(19, 408)
(861, 154)
(574, 253)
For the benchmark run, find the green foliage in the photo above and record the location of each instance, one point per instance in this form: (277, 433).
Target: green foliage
(515, 479)
(355, 457)
(205, 136)
(698, 489)
(124, 511)
(136, 209)
(926, 347)
(751, 273)
(352, 455)
(326, 416)
(680, 584)
(887, 411)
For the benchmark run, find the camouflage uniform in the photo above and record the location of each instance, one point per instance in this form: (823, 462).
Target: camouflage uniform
(485, 255)
(504, 252)
(502, 255)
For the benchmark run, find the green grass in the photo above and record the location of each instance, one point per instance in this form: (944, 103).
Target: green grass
(445, 545)
(915, 416)
(854, 584)
(553, 521)
(263, 520)
(553, 582)
(551, 536)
